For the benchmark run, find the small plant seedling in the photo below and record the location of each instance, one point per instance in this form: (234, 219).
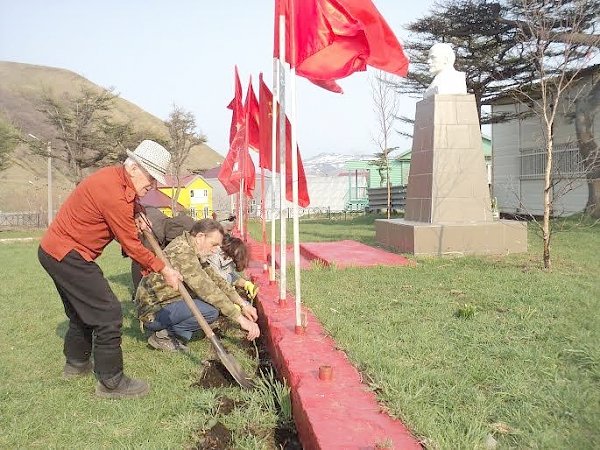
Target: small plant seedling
(465, 311)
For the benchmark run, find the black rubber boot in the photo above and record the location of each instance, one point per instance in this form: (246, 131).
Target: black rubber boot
(126, 388)
(74, 369)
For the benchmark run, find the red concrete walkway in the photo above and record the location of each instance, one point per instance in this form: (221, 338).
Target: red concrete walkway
(341, 413)
(342, 254)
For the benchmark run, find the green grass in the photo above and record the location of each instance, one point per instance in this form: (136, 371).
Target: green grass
(40, 409)
(460, 348)
(21, 233)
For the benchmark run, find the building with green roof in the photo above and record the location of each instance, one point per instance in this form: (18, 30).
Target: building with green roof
(364, 174)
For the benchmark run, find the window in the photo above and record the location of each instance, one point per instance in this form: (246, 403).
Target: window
(199, 194)
(566, 162)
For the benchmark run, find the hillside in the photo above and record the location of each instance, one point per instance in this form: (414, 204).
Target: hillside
(23, 186)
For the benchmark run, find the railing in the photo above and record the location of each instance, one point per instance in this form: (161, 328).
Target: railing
(567, 162)
(24, 219)
(378, 198)
(307, 213)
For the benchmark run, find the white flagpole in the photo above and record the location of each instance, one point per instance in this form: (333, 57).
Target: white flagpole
(294, 139)
(273, 162)
(282, 168)
(294, 123)
(242, 207)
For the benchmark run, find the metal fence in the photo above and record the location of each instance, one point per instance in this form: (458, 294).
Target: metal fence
(303, 213)
(25, 219)
(567, 162)
(378, 198)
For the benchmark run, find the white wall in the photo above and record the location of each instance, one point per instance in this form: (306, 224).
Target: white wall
(516, 195)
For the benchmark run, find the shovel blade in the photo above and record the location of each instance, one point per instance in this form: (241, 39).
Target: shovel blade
(232, 365)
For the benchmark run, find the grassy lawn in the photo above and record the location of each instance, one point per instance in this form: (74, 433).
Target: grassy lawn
(463, 348)
(460, 348)
(40, 409)
(24, 233)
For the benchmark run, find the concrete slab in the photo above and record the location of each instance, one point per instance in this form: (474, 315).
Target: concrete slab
(346, 253)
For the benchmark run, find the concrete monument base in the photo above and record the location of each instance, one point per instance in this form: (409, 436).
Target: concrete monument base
(448, 207)
(434, 239)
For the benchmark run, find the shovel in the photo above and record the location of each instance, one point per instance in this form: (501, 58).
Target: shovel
(230, 363)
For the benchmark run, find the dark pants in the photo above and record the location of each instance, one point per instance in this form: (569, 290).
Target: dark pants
(94, 312)
(136, 275)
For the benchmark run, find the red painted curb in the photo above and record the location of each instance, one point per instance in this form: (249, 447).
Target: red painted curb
(336, 413)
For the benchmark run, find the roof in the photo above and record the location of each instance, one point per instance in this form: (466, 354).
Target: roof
(171, 181)
(211, 173)
(157, 199)
(512, 95)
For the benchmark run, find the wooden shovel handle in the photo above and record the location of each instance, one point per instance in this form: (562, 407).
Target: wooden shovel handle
(187, 298)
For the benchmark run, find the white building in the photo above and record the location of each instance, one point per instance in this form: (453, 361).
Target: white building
(519, 159)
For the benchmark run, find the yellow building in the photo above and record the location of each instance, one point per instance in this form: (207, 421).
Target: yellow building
(195, 195)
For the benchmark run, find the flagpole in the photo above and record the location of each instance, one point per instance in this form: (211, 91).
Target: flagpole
(294, 149)
(263, 218)
(282, 168)
(240, 208)
(245, 162)
(273, 162)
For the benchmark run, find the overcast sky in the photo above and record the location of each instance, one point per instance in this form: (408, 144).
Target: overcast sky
(159, 53)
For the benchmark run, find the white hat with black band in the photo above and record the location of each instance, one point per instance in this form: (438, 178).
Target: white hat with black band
(153, 157)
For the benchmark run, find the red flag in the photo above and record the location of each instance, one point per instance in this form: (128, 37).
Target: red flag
(265, 161)
(237, 108)
(251, 107)
(237, 165)
(281, 7)
(226, 172)
(335, 38)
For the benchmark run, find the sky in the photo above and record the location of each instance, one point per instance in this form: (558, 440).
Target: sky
(157, 54)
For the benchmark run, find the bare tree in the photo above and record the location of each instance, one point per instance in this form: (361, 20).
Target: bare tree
(385, 107)
(183, 137)
(551, 32)
(85, 127)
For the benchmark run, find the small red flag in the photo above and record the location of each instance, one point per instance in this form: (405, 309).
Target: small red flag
(252, 117)
(265, 160)
(237, 163)
(237, 108)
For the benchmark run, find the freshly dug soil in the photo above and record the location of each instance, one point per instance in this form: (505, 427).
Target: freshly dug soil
(217, 438)
(226, 405)
(214, 375)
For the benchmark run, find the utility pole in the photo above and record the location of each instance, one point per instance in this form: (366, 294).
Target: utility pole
(50, 209)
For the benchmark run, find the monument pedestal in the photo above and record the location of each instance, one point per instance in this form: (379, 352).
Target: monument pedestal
(434, 239)
(448, 206)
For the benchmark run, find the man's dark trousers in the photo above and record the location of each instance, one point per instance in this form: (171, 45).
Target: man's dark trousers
(94, 312)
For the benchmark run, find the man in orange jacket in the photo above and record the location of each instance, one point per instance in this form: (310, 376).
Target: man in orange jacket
(100, 209)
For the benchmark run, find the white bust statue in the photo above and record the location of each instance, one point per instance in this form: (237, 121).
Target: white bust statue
(447, 79)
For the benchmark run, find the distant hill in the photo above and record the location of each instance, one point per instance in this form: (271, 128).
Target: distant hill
(330, 164)
(23, 186)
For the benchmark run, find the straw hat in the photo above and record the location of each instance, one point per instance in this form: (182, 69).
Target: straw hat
(153, 157)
